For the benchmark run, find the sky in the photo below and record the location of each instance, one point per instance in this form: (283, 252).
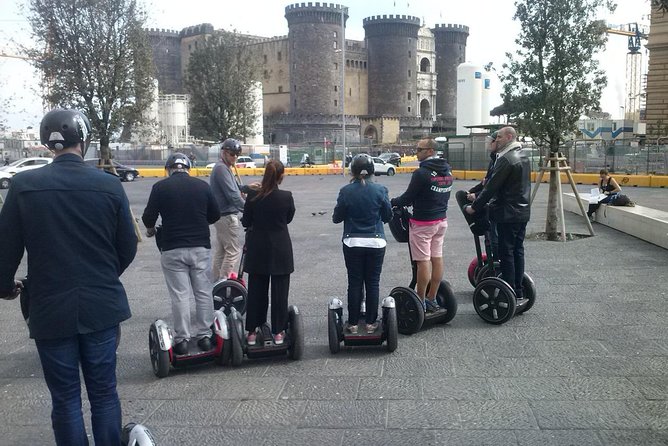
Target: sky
(491, 27)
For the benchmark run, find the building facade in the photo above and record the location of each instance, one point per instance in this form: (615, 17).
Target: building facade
(398, 83)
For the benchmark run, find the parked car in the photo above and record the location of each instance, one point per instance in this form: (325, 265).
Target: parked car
(125, 173)
(380, 167)
(259, 159)
(391, 157)
(245, 162)
(7, 172)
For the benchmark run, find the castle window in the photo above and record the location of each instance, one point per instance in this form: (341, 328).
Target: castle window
(335, 44)
(409, 95)
(294, 87)
(410, 55)
(336, 66)
(357, 64)
(365, 65)
(409, 109)
(336, 88)
(265, 58)
(425, 65)
(295, 103)
(190, 47)
(336, 103)
(280, 88)
(350, 92)
(279, 56)
(336, 35)
(409, 73)
(347, 62)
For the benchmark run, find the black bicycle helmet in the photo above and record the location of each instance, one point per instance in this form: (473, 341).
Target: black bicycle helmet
(231, 145)
(178, 161)
(361, 164)
(63, 128)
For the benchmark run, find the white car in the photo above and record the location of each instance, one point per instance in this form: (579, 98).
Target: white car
(380, 167)
(242, 162)
(7, 172)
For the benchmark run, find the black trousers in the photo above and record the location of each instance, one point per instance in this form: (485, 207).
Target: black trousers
(258, 301)
(511, 254)
(364, 266)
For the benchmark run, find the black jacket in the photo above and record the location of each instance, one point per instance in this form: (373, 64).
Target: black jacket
(508, 191)
(478, 187)
(187, 208)
(75, 224)
(268, 244)
(428, 191)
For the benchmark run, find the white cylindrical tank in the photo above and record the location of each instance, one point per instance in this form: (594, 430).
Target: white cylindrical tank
(469, 96)
(258, 137)
(485, 97)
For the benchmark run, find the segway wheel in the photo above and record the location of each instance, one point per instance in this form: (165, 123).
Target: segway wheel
(391, 329)
(230, 293)
(486, 271)
(446, 299)
(410, 313)
(474, 268)
(226, 353)
(295, 334)
(159, 357)
(529, 290)
(237, 339)
(333, 323)
(494, 301)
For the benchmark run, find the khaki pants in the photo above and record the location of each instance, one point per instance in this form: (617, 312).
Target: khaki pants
(228, 247)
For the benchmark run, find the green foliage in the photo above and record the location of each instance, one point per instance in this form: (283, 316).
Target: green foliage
(220, 79)
(553, 78)
(95, 57)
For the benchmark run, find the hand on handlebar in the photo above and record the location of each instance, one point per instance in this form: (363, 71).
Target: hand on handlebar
(469, 209)
(150, 232)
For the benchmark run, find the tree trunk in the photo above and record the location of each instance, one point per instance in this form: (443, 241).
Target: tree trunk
(105, 151)
(552, 220)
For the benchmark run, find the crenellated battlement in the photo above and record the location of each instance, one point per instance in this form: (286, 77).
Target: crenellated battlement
(450, 27)
(196, 30)
(316, 6)
(162, 32)
(392, 18)
(318, 13)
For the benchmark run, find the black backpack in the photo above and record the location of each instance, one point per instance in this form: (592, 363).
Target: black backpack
(622, 200)
(399, 224)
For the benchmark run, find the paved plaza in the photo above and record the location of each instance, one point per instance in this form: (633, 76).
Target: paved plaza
(585, 366)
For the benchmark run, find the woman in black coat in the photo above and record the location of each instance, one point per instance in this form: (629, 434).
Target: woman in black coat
(267, 213)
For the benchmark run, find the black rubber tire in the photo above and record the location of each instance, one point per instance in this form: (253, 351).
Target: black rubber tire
(391, 329)
(230, 293)
(529, 290)
(226, 353)
(333, 331)
(4, 183)
(446, 299)
(159, 357)
(390, 172)
(485, 271)
(494, 301)
(237, 338)
(295, 334)
(410, 313)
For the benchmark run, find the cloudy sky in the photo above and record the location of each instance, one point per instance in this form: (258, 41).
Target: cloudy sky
(492, 34)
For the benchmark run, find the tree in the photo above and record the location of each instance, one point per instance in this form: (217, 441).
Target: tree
(221, 79)
(553, 78)
(95, 57)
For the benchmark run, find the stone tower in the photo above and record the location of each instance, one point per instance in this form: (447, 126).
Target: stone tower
(315, 65)
(166, 47)
(450, 52)
(392, 48)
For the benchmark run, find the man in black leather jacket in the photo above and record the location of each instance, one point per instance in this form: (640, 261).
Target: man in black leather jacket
(508, 193)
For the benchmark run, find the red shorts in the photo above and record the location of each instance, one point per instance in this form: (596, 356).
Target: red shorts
(426, 239)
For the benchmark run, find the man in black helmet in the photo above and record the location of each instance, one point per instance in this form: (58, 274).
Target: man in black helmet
(187, 208)
(228, 192)
(74, 221)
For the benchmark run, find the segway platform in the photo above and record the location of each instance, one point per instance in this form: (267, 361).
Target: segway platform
(386, 331)
(293, 343)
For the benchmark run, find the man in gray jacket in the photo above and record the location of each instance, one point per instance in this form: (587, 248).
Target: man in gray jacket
(227, 191)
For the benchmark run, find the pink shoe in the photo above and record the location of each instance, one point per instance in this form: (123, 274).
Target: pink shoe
(232, 276)
(278, 338)
(251, 338)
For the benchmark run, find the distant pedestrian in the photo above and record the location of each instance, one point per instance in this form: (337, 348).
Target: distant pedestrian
(7, 160)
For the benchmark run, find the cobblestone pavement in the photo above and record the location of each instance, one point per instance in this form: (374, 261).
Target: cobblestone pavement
(586, 366)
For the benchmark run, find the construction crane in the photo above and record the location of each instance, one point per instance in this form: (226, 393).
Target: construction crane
(634, 97)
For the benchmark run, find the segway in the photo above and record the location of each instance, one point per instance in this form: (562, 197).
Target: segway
(387, 330)
(161, 342)
(134, 434)
(493, 299)
(411, 315)
(293, 344)
(232, 292)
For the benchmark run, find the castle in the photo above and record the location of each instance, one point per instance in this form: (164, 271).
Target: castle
(400, 82)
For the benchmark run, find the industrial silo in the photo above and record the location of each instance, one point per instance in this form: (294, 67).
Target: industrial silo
(469, 96)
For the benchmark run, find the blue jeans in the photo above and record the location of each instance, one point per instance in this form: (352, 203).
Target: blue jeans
(96, 352)
(364, 266)
(511, 254)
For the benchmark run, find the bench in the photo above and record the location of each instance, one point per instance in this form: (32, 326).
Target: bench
(642, 222)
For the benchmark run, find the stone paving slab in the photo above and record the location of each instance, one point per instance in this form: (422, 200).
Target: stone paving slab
(586, 366)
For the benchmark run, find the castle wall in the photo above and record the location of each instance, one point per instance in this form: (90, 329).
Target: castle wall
(272, 58)
(657, 78)
(450, 52)
(166, 49)
(357, 78)
(191, 39)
